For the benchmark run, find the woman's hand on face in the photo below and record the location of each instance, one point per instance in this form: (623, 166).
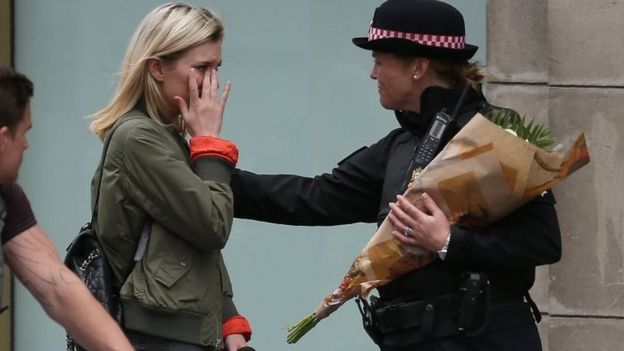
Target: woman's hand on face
(233, 342)
(203, 116)
(427, 231)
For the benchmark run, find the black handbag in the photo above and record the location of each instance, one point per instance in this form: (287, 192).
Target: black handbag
(86, 258)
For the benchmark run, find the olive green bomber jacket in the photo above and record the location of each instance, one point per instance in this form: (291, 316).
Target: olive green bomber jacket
(180, 289)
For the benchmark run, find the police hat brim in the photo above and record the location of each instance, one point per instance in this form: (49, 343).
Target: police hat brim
(407, 47)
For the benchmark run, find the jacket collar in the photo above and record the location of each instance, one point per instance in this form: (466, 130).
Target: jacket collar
(433, 100)
(142, 107)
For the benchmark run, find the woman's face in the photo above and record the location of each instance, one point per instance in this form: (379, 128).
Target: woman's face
(395, 82)
(174, 78)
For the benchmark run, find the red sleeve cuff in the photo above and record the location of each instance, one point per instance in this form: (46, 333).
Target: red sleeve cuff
(237, 325)
(215, 147)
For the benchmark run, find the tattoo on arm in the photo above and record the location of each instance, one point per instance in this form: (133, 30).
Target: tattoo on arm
(35, 262)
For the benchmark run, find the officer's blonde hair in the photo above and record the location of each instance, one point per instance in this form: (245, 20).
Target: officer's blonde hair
(458, 73)
(167, 32)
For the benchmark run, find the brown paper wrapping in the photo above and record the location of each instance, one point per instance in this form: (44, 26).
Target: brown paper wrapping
(481, 175)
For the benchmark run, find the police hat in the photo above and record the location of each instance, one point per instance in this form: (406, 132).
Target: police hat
(425, 28)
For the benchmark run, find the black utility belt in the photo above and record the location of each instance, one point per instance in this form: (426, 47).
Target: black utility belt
(408, 315)
(416, 321)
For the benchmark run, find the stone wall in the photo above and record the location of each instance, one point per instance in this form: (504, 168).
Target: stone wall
(562, 61)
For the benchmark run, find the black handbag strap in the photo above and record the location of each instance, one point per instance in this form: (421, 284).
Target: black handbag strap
(147, 226)
(101, 166)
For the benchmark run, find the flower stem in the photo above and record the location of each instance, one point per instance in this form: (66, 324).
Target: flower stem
(301, 328)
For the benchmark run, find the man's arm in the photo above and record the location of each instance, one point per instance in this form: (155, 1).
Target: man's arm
(33, 258)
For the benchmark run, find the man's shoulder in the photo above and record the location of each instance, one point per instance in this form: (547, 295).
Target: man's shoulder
(20, 216)
(9, 191)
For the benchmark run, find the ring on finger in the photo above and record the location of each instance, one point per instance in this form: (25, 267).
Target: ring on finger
(407, 231)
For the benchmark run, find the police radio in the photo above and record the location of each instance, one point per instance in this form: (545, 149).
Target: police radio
(433, 138)
(431, 143)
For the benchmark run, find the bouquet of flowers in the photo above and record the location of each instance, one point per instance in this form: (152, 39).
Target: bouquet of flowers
(489, 169)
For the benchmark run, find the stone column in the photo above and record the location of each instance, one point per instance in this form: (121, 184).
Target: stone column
(562, 62)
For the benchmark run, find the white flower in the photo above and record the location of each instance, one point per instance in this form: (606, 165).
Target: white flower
(511, 131)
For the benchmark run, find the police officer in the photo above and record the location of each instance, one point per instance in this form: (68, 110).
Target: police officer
(475, 296)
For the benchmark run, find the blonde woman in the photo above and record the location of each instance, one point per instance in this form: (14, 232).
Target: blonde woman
(178, 296)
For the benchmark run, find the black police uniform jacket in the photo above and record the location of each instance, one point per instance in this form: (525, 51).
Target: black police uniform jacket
(361, 186)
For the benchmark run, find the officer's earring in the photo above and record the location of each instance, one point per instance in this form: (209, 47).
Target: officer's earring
(416, 77)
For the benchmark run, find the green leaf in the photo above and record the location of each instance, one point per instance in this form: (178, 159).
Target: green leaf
(533, 132)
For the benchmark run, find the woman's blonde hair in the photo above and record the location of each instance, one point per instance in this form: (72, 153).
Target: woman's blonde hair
(459, 73)
(167, 32)
(453, 72)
